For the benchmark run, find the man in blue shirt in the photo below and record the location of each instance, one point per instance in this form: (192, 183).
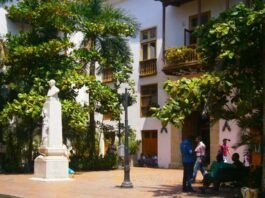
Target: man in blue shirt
(187, 160)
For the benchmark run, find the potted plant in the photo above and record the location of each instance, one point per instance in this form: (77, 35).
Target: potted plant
(253, 139)
(253, 182)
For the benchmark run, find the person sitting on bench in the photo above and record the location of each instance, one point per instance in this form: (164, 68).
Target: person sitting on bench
(236, 161)
(212, 175)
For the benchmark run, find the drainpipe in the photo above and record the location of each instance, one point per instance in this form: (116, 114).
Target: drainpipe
(263, 127)
(199, 12)
(227, 4)
(164, 31)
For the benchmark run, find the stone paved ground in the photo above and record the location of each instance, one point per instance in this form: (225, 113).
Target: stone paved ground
(147, 183)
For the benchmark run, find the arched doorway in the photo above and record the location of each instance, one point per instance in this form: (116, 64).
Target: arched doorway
(196, 125)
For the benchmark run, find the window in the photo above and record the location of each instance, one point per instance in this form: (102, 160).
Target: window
(107, 75)
(148, 99)
(148, 52)
(193, 23)
(107, 116)
(148, 44)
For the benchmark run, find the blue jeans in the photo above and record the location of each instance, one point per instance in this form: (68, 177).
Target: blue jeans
(198, 166)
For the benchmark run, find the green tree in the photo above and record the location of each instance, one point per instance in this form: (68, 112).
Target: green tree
(231, 49)
(40, 52)
(105, 30)
(33, 57)
(4, 1)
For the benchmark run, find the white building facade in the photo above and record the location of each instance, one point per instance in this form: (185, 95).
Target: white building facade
(166, 24)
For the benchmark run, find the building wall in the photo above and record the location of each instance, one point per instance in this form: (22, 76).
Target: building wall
(149, 14)
(177, 18)
(234, 135)
(5, 24)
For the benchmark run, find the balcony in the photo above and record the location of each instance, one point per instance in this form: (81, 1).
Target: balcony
(148, 67)
(174, 2)
(107, 76)
(182, 61)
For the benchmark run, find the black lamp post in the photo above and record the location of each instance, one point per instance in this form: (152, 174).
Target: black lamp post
(126, 182)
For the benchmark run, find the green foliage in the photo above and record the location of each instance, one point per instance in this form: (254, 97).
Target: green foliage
(182, 54)
(32, 58)
(107, 162)
(41, 52)
(103, 163)
(44, 17)
(97, 19)
(233, 37)
(105, 30)
(133, 142)
(26, 105)
(4, 1)
(230, 47)
(187, 95)
(133, 146)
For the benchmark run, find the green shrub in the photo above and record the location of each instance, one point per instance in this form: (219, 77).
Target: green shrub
(180, 55)
(107, 162)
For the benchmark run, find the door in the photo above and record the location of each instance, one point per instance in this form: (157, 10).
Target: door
(196, 125)
(149, 143)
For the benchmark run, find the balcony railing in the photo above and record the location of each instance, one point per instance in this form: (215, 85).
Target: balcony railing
(175, 2)
(107, 76)
(182, 60)
(148, 67)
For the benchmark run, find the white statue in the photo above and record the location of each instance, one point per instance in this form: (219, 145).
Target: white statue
(52, 95)
(45, 127)
(53, 91)
(52, 163)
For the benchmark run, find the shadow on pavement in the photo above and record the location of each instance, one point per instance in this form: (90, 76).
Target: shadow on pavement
(8, 196)
(176, 192)
(166, 190)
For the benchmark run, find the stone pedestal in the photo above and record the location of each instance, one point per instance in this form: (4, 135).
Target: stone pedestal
(52, 163)
(51, 168)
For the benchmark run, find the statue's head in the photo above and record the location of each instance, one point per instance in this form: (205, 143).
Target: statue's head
(51, 82)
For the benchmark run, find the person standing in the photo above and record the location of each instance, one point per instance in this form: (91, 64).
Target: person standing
(112, 148)
(200, 157)
(225, 150)
(187, 160)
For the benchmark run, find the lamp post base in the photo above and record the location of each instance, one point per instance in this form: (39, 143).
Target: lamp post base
(126, 184)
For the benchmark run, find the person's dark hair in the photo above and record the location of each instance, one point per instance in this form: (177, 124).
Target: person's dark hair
(235, 156)
(225, 140)
(190, 137)
(219, 157)
(199, 138)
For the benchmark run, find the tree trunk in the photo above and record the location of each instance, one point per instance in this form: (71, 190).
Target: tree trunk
(30, 149)
(91, 134)
(263, 129)
(92, 125)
